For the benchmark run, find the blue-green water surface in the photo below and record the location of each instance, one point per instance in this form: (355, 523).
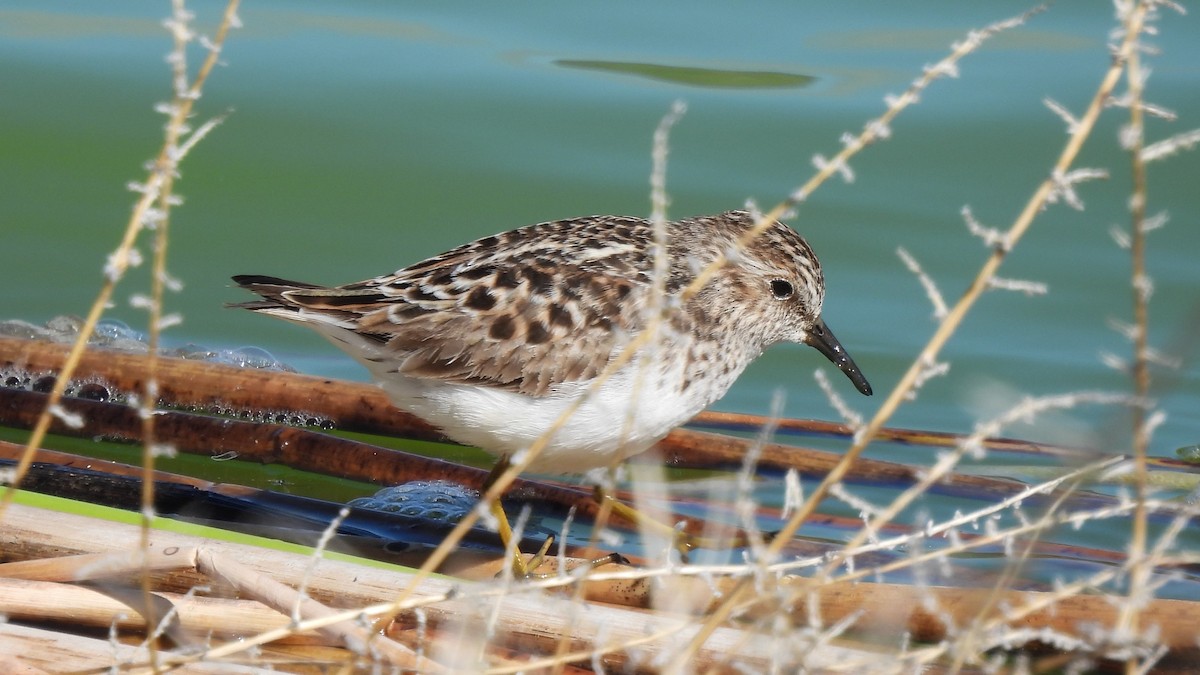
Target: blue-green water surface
(363, 136)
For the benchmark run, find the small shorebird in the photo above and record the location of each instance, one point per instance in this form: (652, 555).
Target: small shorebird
(492, 341)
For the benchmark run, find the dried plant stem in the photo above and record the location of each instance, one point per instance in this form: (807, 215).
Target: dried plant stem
(945, 528)
(286, 600)
(945, 329)
(164, 171)
(972, 642)
(161, 173)
(1048, 522)
(947, 462)
(980, 284)
(1139, 572)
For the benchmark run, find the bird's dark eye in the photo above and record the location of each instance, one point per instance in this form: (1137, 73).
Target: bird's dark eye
(782, 289)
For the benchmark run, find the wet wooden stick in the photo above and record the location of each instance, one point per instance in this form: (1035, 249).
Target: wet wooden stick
(288, 601)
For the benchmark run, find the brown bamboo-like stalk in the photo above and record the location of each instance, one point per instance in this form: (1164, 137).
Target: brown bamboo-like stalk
(481, 566)
(938, 439)
(205, 386)
(189, 384)
(945, 329)
(352, 406)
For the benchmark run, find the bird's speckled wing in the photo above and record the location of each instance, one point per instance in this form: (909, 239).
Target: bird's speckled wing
(523, 310)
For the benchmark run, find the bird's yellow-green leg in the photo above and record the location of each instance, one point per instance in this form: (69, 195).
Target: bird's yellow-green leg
(520, 568)
(683, 542)
(504, 530)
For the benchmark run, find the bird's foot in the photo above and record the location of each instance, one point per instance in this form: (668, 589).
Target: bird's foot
(682, 542)
(541, 566)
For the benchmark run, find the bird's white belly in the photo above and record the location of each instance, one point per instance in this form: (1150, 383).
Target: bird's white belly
(623, 417)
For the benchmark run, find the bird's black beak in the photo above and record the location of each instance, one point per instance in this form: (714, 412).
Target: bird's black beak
(821, 338)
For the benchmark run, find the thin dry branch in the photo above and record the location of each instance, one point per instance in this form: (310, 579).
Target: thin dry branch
(946, 328)
(1170, 146)
(1135, 138)
(978, 285)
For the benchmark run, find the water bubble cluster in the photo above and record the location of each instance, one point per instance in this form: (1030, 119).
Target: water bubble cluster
(113, 334)
(91, 388)
(432, 499)
(294, 418)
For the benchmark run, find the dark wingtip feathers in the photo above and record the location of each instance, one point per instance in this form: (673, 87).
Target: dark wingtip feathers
(270, 288)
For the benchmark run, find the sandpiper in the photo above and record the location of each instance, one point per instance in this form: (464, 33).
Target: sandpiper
(493, 340)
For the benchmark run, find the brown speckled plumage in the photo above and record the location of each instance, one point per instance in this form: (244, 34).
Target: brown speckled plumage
(540, 311)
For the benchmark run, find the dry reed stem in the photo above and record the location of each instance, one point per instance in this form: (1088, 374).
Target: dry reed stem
(948, 461)
(289, 602)
(87, 566)
(1002, 538)
(68, 654)
(1139, 573)
(948, 527)
(71, 605)
(969, 644)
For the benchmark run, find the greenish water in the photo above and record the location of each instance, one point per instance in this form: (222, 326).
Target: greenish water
(364, 136)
